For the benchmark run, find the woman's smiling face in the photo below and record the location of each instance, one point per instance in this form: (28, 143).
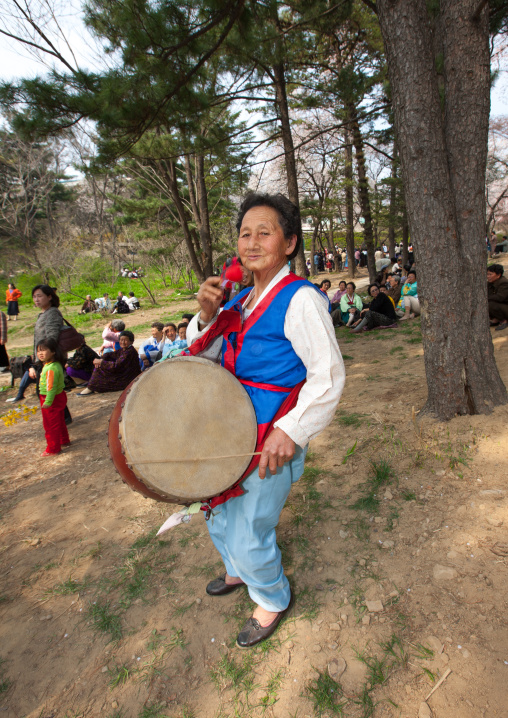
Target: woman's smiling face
(261, 243)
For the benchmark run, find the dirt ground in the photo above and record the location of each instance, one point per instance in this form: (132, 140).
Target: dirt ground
(395, 542)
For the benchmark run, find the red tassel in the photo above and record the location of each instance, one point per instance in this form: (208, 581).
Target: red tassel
(234, 273)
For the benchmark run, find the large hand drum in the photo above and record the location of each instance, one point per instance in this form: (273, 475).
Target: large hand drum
(183, 431)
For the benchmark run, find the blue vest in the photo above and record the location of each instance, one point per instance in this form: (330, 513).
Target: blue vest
(260, 356)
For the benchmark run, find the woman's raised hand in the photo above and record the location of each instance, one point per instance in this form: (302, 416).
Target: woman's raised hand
(209, 297)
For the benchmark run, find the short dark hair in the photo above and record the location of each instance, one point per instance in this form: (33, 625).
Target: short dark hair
(187, 316)
(131, 294)
(325, 281)
(351, 284)
(158, 325)
(49, 292)
(411, 271)
(496, 268)
(128, 334)
(342, 281)
(374, 284)
(170, 324)
(288, 213)
(52, 345)
(182, 326)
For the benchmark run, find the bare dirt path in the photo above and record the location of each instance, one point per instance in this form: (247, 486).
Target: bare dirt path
(395, 541)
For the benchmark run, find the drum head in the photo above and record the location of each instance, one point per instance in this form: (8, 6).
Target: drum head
(182, 413)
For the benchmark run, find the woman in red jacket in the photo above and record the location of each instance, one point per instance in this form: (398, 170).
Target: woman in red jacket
(11, 297)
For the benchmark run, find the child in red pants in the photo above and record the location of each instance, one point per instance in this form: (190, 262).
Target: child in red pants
(52, 396)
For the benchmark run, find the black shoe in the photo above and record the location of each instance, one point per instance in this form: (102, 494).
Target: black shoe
(253, 632)
(501, 326)
(219, 587)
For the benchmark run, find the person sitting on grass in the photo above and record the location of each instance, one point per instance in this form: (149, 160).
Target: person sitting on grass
(151, 347)
(497, 294)
(409, 304)
(116, 370)
(350, 305)
(338, 295)
(182, 333)
(121, 306)
(133, 302)
(88, 305)
(174, 348)
(394, 288)
(384, 290)
(325, 286)
(80, 366)
(111, 335)
(379, 313)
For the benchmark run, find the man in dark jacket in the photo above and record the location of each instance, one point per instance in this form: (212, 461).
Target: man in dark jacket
(497, 293)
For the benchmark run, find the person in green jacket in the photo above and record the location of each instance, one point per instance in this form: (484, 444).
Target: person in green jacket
(350, 304)
(52, 396)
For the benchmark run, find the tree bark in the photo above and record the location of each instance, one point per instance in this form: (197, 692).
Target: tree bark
(393, 197)
(281, 102)
(442, 137)
(350, 216)
(405, 239)
(363, 191)
(199, 204)
(170, 175)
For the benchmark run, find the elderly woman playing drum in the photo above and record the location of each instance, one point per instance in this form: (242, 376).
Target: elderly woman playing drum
(284, 352)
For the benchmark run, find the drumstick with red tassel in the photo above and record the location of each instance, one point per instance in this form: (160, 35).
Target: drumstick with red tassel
(234, 273)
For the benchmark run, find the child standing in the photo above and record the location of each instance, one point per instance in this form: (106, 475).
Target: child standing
(52, 396)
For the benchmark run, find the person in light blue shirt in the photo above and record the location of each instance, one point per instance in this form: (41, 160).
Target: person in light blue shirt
(151, 347)
(174, 343)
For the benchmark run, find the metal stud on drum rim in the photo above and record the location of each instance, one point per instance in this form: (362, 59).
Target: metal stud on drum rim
(184, 412)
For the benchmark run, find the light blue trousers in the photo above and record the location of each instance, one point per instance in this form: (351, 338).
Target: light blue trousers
(243, 531)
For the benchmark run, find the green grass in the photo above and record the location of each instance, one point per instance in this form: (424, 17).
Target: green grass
(230, 674)
(308, 603)
(67, 587)
(354, 419)
(382, 475)
(104, 620)
(5, 684)
(347, 356)
(395, 350)
(153, 710)
(327, 695)
(119, 675)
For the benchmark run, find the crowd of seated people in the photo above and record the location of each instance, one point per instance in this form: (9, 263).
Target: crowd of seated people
(118, 361)
(392, 297)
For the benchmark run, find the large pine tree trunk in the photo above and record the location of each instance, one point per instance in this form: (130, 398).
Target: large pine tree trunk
(281, 101)
(442, 138)
(350, 214)
(392, 210)
(363, 191)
